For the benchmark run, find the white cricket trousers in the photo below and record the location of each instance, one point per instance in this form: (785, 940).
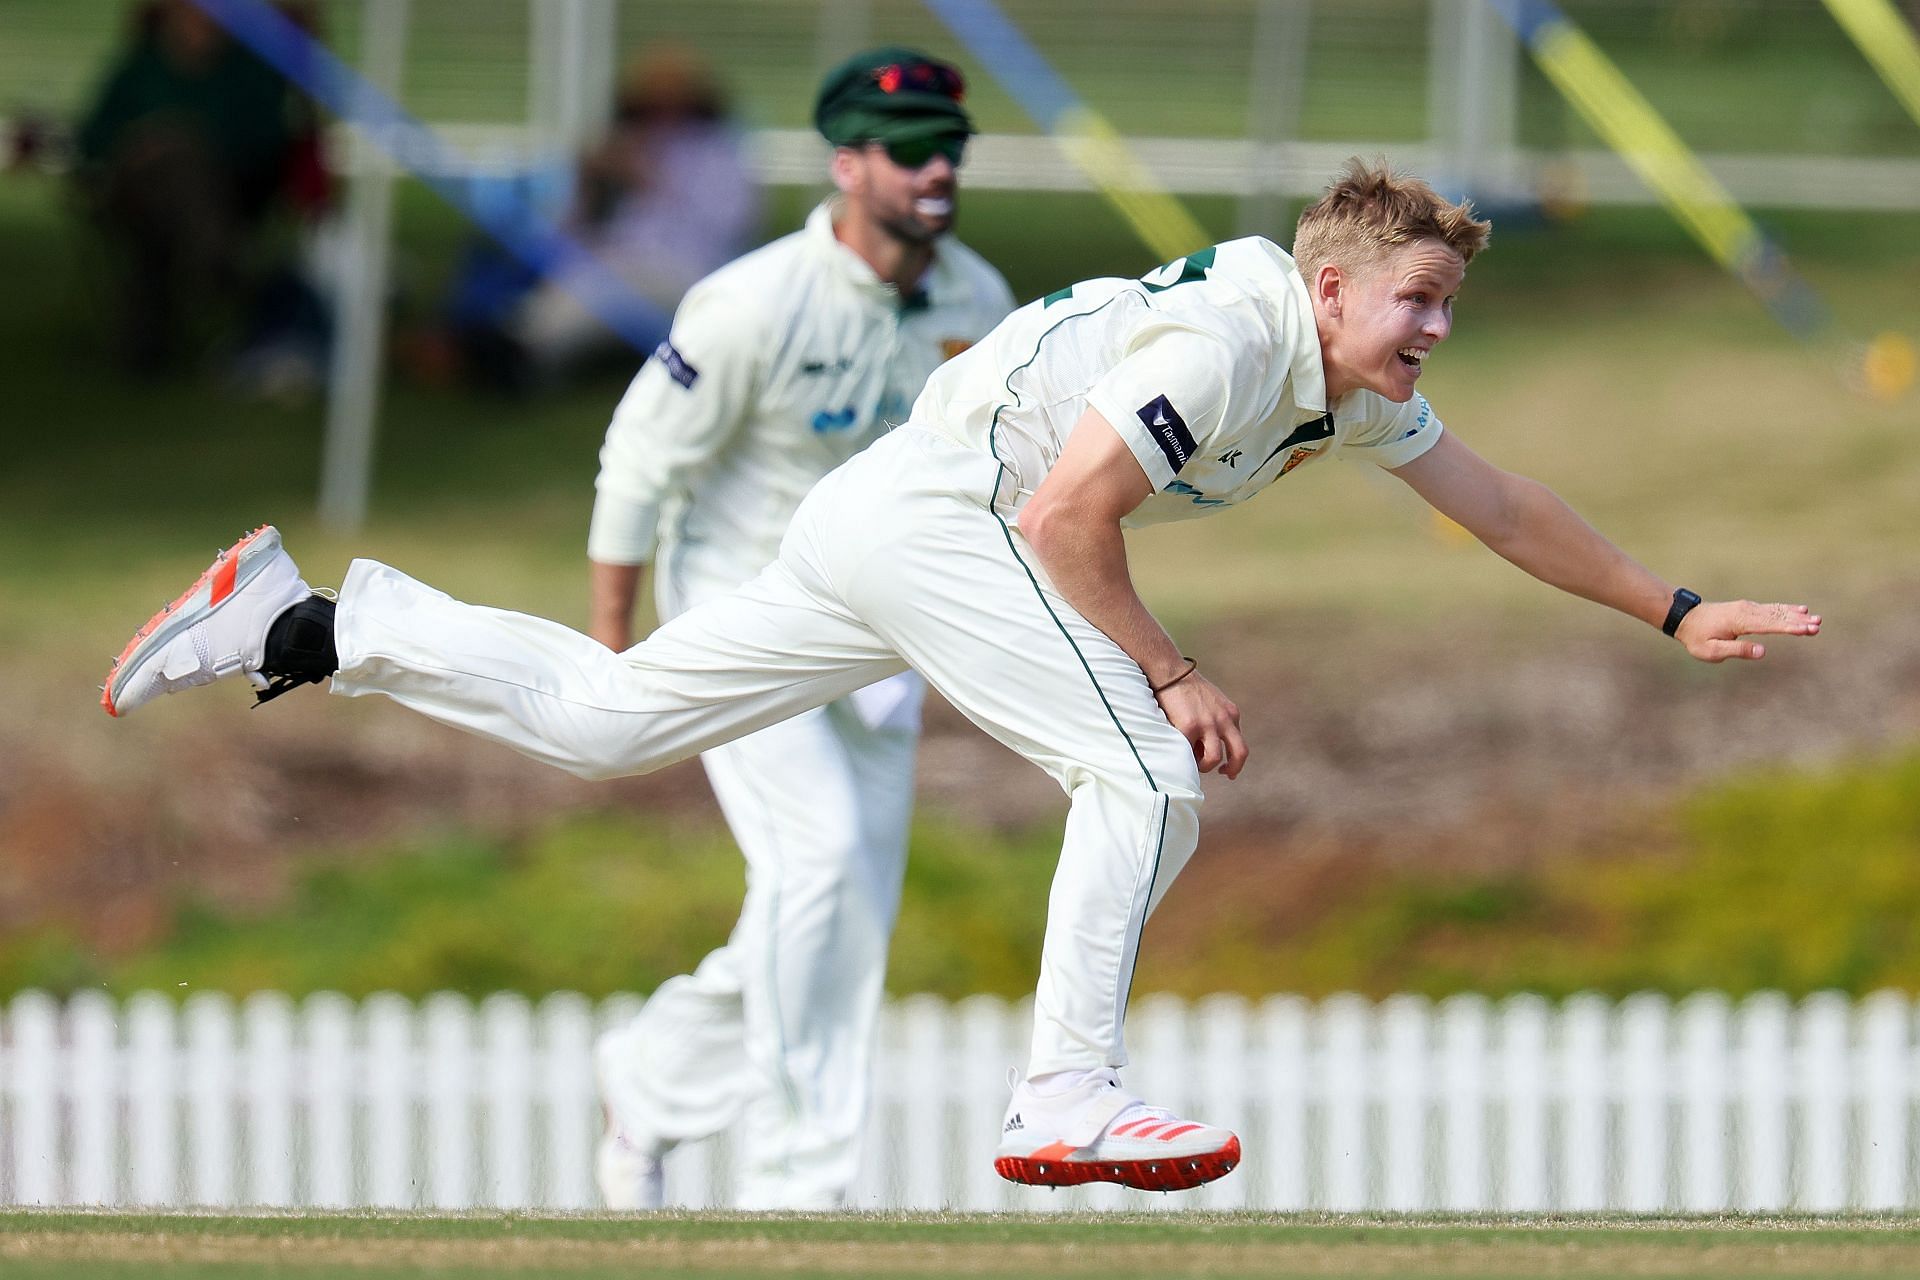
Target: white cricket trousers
(776, 1029)
(895, 558)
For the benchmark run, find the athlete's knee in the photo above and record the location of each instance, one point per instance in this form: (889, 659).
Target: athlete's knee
(1159, 816)
(823, 867)
(873, 901)
(1169, 787)
(1184, 806)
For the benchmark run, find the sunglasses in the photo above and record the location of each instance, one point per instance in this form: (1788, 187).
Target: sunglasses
(916, 152)
(921, 77)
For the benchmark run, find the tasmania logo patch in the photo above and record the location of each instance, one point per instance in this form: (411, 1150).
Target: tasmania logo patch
(1169, 431)
(677, 366)
(1299, 456)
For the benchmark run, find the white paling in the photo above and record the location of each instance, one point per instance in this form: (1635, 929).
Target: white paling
(78, 1096)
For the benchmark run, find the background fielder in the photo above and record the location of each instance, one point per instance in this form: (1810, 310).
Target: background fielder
(982, 545)
(779, 367)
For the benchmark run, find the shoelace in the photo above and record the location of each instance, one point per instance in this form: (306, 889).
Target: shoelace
(269, 685)
(269, 689)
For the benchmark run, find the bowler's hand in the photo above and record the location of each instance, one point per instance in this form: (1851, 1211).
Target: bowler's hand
(1711, 631)
(1208, 720)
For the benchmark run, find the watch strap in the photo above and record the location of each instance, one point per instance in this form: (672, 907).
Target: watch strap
(1683, 603)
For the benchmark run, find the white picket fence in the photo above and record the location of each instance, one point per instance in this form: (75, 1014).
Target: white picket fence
(1468, 1104)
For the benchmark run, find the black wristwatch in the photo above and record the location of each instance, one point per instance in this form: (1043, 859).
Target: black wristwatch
(1683, 602)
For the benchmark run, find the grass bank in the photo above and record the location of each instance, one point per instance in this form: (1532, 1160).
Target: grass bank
(609, 902)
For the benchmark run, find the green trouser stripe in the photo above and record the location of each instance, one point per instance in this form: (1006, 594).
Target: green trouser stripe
(1153, 879)
(1085, 665)
(993, 505)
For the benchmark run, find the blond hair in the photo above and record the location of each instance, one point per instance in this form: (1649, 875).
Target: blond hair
(1369, 210)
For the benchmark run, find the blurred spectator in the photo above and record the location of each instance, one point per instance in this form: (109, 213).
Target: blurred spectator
(665, 198)
(34, 142)
(190, 148)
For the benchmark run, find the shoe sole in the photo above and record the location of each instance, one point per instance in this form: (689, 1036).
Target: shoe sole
(167, 623)
(1167, 1173)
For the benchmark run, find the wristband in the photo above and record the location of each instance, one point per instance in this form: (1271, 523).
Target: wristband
(1192, 667)
(1683, 602)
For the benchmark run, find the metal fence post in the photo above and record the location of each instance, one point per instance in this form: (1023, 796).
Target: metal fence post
(353, 375)
(570, 70)
(1282, 30)
(1472, 96)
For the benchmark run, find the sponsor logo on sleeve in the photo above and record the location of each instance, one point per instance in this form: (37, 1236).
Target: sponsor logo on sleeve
(1192, 494)
(677, 366)
(1419, 423)
(1168, 430)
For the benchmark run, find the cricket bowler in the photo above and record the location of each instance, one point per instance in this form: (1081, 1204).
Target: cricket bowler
(980, 545)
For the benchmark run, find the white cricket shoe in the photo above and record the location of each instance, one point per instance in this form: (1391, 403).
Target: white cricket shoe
(1098, 1132)
(629, 1178)
(217, 628)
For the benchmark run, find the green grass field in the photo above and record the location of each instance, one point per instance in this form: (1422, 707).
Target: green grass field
(66, 1246)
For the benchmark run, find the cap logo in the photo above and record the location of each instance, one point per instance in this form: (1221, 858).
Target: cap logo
(921, 77)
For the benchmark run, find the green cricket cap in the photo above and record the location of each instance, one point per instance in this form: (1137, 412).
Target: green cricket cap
(891, 94)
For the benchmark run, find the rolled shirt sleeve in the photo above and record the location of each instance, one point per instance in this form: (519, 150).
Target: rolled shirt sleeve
(678, 412)
(1167, 397)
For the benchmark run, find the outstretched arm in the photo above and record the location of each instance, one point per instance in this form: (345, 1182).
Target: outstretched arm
(1527, 524)
(1072, 522)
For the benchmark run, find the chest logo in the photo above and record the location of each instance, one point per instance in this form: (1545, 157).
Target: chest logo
(828, 421)
(1231, 457)
(1300, 455)
(1300, 441)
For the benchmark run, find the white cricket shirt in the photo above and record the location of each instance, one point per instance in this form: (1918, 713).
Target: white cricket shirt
(780, 366)
(1208, 367)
